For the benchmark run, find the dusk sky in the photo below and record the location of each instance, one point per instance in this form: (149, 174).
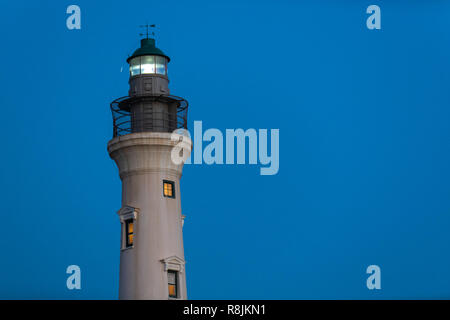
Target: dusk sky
(363, 118)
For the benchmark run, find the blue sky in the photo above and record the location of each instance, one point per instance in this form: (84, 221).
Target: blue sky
(364, 146)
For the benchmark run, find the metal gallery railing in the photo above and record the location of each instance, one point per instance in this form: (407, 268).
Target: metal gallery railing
(147, 118)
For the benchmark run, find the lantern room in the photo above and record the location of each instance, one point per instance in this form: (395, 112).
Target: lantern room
(148, 59)
(148, 70)
(149, 106)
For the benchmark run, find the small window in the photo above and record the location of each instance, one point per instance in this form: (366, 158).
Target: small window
(169, 189)
(172, 277)
(129, 232)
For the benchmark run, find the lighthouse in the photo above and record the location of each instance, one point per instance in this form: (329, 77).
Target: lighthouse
(152, 264)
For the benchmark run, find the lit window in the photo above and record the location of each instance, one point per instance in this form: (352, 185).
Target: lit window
(169, 189)
(148, 64)
(172, 277)
(135, 66)
(160, 65)
(129, 232)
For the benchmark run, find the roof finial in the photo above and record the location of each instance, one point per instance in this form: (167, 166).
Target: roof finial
(147, 26)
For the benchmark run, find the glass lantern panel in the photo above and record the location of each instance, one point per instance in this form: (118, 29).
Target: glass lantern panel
(135, 66)
(148, 64)
(160, 65)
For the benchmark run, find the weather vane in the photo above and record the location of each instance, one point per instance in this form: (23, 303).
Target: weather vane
(147, 26)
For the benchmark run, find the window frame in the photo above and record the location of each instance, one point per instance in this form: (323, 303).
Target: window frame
(172, 183)
(127, 233)
(127, 213)
(175, 273)
(153, 57)
(158, 60)
(131, 73)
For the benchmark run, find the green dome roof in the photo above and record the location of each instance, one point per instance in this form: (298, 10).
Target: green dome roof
(148, 48)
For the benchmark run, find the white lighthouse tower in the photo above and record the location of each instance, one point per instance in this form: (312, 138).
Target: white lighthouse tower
(152, 264)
